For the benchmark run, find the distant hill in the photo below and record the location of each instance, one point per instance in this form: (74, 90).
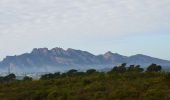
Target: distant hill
(58, 59)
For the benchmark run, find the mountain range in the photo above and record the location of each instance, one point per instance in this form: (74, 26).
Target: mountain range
(58, 59)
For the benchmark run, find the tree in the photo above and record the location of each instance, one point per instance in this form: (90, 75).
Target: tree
(72, 71)
(1, 79)
(10, 77)
(123, 65)
(133, 68)
(119, 69)
(154, 68)
(56, 74)
(139, 69)
(27, 78)
(122, 68)
(50, 76)
(47, 76)
(91, 71)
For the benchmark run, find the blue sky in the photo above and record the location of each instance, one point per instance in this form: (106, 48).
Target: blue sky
(127, 27)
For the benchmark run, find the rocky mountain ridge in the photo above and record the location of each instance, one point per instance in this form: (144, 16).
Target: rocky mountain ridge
(58, 57)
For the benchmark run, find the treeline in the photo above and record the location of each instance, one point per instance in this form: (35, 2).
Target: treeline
(117, 69)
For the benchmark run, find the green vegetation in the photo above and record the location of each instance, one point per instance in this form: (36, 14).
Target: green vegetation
(7, 79)
(26, 78)
(121, 83)
(154, 68)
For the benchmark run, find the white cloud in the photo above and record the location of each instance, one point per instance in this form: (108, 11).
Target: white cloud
(67, 20)
(78, 16)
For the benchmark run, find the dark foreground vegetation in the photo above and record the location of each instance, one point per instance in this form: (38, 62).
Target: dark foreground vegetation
(121, 83)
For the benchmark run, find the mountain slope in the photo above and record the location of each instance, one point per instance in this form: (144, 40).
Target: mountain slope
(42, 58)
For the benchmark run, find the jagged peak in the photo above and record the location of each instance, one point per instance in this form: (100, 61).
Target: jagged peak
(57, 49)
(70, 49)
(74, 50)
(40, 50)
(109, 53)
(139, 55)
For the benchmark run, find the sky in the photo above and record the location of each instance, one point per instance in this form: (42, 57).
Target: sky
(127, 27)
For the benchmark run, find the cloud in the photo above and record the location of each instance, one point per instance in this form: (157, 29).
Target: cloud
(70, 20)
(101, 17)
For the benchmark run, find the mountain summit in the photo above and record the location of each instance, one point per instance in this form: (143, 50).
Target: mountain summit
(58, 58)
